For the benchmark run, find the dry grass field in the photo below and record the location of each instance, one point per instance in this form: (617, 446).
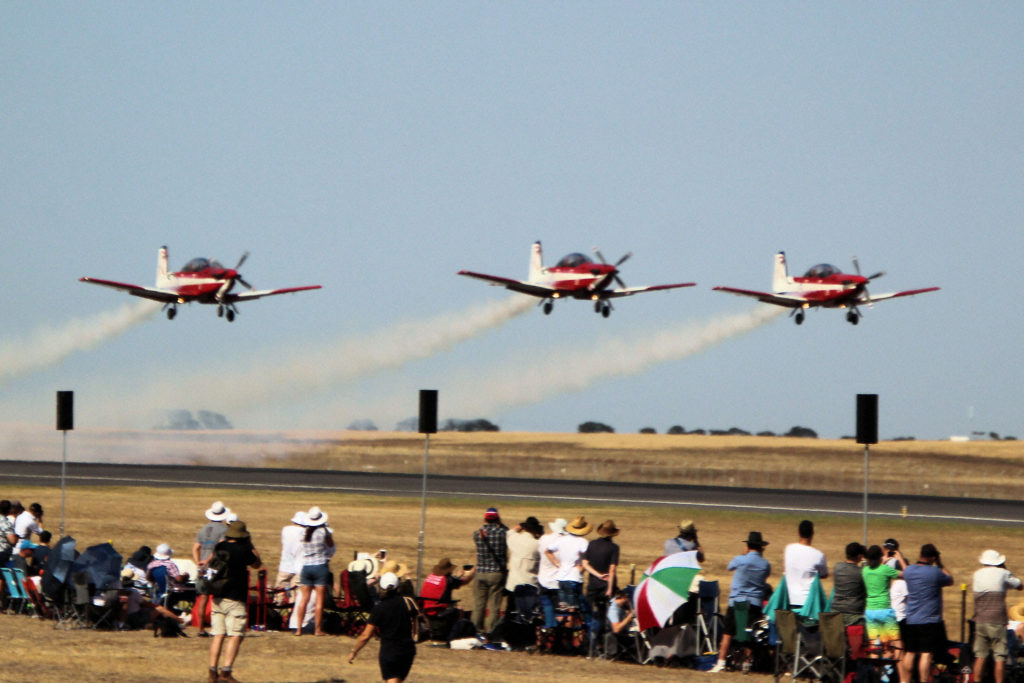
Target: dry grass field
(130, 517)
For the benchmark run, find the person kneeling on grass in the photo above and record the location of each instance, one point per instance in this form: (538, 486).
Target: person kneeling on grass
(228, 615)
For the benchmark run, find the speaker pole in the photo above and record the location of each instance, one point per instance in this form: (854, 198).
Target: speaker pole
(427, 426)
(867, 433)
(65, 421)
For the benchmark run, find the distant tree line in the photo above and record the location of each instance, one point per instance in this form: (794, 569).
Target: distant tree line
(204, 419)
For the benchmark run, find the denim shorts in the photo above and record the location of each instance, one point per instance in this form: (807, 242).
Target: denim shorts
(315, 575)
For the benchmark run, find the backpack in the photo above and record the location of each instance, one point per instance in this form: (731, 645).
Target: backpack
(216, 573)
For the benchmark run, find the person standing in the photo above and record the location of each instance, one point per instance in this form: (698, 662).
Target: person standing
(802, 562)
(881, 622)
(7, 536)
(686, 539)
(491, 568)
(566, 553)
(317, 542)
(547, 572)
(523, 559)
(206, 539)
(228, 616)
(749, 585)
(290, 566)
(924, 635)
(990, 585)
(849, 591)
(392, 618)
(600, 561)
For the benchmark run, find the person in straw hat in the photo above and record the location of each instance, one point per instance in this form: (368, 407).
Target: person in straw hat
(749, 585)
(209, 535)
(686, 539)
(566, 553)
(317, 548)
(437, 596)
(600, 561)
(990, 618)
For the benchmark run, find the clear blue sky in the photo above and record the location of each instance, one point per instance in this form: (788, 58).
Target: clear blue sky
(377, 148)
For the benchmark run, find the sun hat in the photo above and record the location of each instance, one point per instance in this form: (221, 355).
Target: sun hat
(532, 525)
(299, 518)
(163, 552)
(579, 526)
(316, 517)
(217, 512)
(755, 540)
(141, 557)
(1016, 612)
(491, 515)
(237, 530)
(607, 529)
(443, 568)
(992, 558)
(558, 526)
(388, 581)
(687, 526)
(397, 568)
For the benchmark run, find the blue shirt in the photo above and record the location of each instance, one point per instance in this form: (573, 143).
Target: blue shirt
(751, 572)
(924, 593)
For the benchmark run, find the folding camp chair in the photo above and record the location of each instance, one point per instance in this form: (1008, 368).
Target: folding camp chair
(799, 651)
(709, 621)
(833, 647)
(354, 602)
(17, 598)
(34, 597)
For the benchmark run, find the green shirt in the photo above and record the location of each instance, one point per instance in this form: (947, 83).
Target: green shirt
(877, 582)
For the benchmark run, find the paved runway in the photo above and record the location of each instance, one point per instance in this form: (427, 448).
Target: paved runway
(495, 488)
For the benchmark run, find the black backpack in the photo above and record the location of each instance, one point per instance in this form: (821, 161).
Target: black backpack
(216, 573)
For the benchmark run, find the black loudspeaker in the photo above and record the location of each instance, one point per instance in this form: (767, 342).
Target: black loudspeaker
(65, 410)
(428, 411)
(867, 418)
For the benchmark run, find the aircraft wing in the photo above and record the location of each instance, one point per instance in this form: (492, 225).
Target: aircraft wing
(910, 292)
(162, 295)
(259, 293)
(515, 285)
(629, 291)
(789, 301)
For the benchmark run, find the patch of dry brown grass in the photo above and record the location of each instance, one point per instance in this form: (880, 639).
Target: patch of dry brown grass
(130, 517)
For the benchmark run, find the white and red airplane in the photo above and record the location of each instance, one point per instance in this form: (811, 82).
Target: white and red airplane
(201, 280)
(823, 286)
(574, 277)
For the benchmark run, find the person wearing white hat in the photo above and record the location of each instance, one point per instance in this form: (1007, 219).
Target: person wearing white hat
(162, 558)
(990, 585)
(209, 536)
(547, 571)
(291, 550)
(317, 543)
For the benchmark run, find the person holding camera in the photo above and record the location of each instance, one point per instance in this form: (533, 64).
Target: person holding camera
(924, 635)
(990, 618)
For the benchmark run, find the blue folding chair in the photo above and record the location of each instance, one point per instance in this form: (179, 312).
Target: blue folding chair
(16, 594)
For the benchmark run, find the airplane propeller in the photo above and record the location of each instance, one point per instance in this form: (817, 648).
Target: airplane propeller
(864, 287)
(615, 273)
(238, 277)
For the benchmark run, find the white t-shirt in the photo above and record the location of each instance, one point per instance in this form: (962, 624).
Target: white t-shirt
(291, 549)
(546, 570)
(25, 525)
(802, 563)
(569, 550)
(898, 598)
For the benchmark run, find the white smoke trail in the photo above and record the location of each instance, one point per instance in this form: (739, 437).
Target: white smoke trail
(48, 346)
(574, 369)
(312, 369)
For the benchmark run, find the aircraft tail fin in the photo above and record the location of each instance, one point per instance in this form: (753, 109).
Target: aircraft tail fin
(781, 281)
(162, 277)
(536, 264)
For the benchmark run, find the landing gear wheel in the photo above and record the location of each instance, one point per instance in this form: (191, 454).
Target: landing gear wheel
(220, 311)
(231, 315)
(547, 307)
(852, 318)
(799, 318)
(597, 307)
(606, 311)
(171, 312)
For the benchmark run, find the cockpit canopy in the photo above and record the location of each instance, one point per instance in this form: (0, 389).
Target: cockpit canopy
(200, 263)
(573, 260)
(822, 270)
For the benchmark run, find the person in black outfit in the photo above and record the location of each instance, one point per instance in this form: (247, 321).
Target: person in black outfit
(392, 619)
(228, 615)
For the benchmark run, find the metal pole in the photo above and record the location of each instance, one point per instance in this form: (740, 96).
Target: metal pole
(63, 478)
(866, 459)
(423, 512)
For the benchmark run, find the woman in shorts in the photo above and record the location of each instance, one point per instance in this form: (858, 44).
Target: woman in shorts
(882, 628)
(317, 548)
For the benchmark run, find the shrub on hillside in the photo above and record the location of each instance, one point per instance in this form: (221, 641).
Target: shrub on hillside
(802, 432)
(594, 428)
(648, 430)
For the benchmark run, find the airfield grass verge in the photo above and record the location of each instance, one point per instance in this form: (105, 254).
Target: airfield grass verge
(130, 517)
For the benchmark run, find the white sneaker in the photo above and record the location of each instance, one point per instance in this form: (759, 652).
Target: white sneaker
(719, 666)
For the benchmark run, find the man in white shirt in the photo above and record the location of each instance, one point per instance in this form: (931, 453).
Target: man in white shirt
(547, 572)
(27, 523)
(803, 562)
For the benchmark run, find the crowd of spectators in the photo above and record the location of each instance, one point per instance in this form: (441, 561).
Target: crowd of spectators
(543, 571)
